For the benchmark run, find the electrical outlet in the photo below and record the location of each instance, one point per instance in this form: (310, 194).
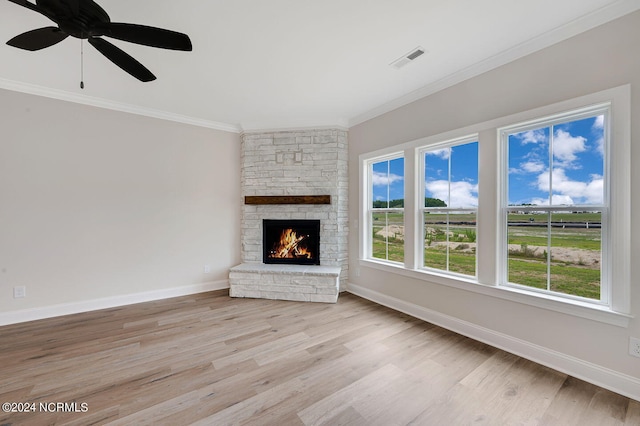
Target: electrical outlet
(207, 269)
(19, 292)
(634, 346)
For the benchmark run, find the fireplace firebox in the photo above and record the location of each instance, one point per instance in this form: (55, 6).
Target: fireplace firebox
(294, 242)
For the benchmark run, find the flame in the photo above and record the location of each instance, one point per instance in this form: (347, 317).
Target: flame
(289, 246)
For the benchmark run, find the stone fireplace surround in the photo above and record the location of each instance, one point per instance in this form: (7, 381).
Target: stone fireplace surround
(298, 163)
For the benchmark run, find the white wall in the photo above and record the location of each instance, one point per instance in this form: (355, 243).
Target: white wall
(103, 205)
(602, 58)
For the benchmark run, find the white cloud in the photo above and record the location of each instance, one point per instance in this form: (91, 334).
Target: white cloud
(528, 167)
(565, 147)
(600, 146)
(598, 126)
(533, 166)
(382, 179)
(568, 191)
(532, 136)
(598, 123)
(443, 153)
(463, 194)
(558, 200)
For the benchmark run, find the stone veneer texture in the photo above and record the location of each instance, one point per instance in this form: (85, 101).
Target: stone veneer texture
(312, 162)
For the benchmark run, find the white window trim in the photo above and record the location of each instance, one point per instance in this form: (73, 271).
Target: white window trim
(567, 116)
(367, 179)
(618, 313)
(421, 209)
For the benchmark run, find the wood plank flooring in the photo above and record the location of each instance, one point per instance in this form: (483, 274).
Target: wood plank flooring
(212, 360)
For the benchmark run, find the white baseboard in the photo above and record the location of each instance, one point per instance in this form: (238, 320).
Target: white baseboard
(108, 302)
(609, 379)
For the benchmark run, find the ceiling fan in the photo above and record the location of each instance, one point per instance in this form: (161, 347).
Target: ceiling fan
(84, 19)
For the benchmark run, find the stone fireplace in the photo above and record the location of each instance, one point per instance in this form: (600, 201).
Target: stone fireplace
(291, 170)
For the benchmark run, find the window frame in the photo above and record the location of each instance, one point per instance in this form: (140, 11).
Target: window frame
(370, 210)
(422, 209)
(490, 171)
(605, 244)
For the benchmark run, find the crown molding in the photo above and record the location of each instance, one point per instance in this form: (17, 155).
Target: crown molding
(584, 23)
(294, 126)
(33, 89)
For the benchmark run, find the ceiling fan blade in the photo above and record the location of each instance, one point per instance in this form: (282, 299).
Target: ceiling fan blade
(148, 36)
(122, 59)
(73, 6)
(38, 39)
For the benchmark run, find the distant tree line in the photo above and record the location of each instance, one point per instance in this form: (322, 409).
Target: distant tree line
(397, 204)
(434, 202)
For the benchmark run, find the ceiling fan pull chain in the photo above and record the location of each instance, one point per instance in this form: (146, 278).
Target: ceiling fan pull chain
(81, 63)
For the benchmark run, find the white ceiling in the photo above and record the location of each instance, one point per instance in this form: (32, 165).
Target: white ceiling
(275, 64)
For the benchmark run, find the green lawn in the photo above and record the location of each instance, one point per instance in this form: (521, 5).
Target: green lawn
(388, 248)
(459, 262)
(395, 248)
(587, 239)
(565, 279)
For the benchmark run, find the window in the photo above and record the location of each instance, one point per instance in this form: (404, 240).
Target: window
(386, 209)
(534, 207)
(449, 207)
(555, 206)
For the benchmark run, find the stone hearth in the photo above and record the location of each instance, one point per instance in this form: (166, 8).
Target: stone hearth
(305, 283)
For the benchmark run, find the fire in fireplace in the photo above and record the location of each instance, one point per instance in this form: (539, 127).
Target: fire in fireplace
(295, 242)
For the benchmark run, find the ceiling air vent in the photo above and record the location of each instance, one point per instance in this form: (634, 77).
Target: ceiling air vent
(409, 57)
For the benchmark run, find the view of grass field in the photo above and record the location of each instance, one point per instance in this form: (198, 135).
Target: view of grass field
(573, 241)
(554, 195)
(451, 248)
(565, 257)
(388, 236)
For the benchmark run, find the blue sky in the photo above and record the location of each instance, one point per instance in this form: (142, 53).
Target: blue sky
(577, 175)
(389, 176)
(388, 180)
(460, 189)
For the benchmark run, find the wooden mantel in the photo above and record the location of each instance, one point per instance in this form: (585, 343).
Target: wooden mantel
(287, 199)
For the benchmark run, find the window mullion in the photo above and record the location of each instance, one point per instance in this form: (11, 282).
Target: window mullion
(388, 184)
(550, 166)
(386, 238)
(551, 141)
(447, 239)
(549, 250)
(447, 228)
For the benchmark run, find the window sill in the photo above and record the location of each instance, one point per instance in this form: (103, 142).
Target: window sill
(553, 303)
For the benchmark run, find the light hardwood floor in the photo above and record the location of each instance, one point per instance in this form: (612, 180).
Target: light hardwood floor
(212, 360)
